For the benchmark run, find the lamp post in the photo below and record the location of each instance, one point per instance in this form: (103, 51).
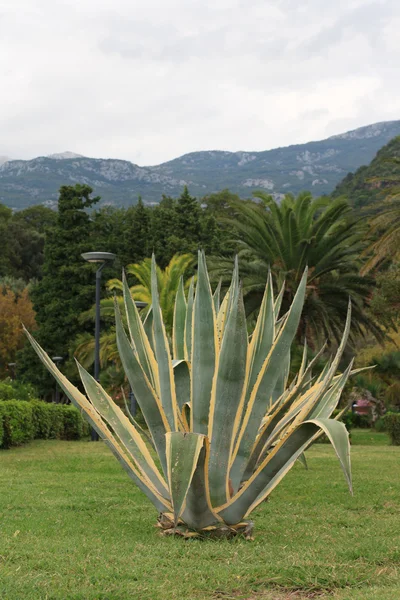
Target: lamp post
(56, 360)
(101, 258)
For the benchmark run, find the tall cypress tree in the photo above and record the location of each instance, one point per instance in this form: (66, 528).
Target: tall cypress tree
(138, 242)
(67, 286)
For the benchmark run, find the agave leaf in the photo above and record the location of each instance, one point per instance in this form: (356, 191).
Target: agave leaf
(339, 438)
(276, 424)
(262, 338)
(222, 314)
(126, 432)
(216, 297)
(94, 419)
(178, 338)
(183, 451)
(139, 339)
(329, 401)
(281, 383)
(188, 321)
(260, 345)
(302, 459)
(204, 351)
(148, 327)
(150, 405)
(227, 399)
(198, 512)
(234, 287)
(303, 365)
(342, 346)
(163, 355)
(280, 460)
(266, 381)
(140, 429)
(182, 382)
(278, 302)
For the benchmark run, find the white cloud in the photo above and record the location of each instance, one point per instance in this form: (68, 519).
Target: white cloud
(151, 81)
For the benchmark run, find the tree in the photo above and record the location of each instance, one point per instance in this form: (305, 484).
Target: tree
(164, 231)
(22, 234)
(183, 226)
(15, 308)
(319, 233)
(137, 233)
(67, 286)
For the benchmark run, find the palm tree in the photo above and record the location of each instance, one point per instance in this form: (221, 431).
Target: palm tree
(316, 232)
(168, 282)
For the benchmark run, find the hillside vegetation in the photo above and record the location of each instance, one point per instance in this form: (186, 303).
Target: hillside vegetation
(369, 183)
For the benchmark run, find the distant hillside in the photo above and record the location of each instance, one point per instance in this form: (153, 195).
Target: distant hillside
(361, 187)
(315, 166)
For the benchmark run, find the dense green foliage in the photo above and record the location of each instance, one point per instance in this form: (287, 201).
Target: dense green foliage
(286, 237)
(367, 185)
(22, 421)
(12, 389)
(22, 237)
(65, 289)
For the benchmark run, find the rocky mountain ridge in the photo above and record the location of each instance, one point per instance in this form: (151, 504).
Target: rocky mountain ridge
(317, 166)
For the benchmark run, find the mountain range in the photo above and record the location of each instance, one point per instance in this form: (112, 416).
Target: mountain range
(316, 166)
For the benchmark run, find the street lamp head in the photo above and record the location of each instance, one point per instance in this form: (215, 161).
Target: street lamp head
(140, 304)
(56, 358)
(98, 257)
(12, 364)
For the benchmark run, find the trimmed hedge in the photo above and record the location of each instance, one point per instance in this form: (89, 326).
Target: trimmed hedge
(22, 421)
(392, 423)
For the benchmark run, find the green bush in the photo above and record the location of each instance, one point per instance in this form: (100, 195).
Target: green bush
(74, 426)
(48, 420)
(380, 424)
(17, 422)
(392, 422)
(22, 421)
(10, 389)
(6, 391)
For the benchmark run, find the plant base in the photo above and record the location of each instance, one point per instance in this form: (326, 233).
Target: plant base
(165, 523)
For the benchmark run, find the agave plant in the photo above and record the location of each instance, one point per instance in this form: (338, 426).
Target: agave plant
(222, 418)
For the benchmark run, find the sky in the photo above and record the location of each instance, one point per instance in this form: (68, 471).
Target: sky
(150, 80)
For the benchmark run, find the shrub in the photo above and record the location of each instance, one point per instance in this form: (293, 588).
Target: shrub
(74, 426)
(17, 422)
(392, 422)
(22, 421)
(48, 420)
(380, 424)
(15, 390)
(6, 391)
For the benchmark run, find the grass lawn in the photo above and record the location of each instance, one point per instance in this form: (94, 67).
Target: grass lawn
(73, 526)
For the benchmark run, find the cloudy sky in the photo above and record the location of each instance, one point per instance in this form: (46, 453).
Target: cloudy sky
(149, 80)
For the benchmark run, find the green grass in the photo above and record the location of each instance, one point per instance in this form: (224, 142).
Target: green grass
(73, 526)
